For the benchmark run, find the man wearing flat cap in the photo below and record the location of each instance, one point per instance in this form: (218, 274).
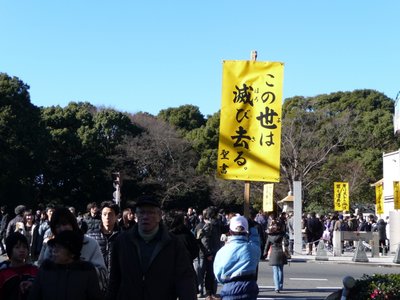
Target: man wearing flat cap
(148, 262)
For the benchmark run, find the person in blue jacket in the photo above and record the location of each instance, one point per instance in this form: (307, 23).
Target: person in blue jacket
(235, 264)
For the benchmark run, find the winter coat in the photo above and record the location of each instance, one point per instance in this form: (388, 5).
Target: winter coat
(91, 253)
(209, 237)
(12, 224)
(75, 281)
(238, 258)
(105, 243)
(381, 229)
(186, 236)
(11, 277)
(314, 229)
(168, 275)
(93, 223)
(277, 256)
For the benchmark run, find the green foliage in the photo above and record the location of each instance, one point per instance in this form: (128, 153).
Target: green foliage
(336, 137)
(79, 162)
(185, 117)
(67, 154)
(23, 142)
(377, 286)
(205, 142)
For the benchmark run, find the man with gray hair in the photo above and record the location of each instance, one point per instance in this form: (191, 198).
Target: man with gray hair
(148, 262)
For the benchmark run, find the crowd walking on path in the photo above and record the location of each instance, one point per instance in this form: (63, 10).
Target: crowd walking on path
(146, 252)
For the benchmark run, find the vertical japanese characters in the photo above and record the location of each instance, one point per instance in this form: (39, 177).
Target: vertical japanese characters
(341, 196)
(250, 127)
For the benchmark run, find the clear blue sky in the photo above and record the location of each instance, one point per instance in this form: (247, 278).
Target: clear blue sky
(151, 55)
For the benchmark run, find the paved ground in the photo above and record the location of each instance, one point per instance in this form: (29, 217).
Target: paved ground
(351, 257)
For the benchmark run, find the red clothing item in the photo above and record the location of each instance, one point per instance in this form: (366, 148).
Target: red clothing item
(11, 277)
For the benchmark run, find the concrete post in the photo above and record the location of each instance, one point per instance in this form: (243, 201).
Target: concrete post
(337, 243)
(297, 207)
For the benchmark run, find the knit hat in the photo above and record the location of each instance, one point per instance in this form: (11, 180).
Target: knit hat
(238, 224)
(71, 240)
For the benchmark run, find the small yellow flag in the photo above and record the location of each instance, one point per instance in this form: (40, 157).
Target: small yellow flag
(396, 194)
(379, 199)
(250, 125)
(341, 196)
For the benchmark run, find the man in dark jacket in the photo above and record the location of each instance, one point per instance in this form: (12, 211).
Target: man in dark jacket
(148, 262)
(314, 231)
(108, 231)
(209, 238)
(92, 217)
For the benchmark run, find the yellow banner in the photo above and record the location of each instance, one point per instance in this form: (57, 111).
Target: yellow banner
(396, 194)
(268, 197)
(250, 126)
(379, 199)
(341, 196)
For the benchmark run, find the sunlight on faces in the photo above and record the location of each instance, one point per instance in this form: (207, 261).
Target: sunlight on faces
(108, 217)
(148, 217)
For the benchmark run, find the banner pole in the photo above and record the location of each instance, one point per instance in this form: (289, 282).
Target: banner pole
(246, 208)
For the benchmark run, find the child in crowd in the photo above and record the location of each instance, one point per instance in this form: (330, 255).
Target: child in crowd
(65, 276)
(16, 275)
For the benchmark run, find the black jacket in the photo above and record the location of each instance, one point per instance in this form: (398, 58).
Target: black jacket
(75, 281)
(106, 243)
(169, 274)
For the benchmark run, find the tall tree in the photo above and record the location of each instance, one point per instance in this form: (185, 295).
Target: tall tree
(205, 141)
(22, 142)
(83, 140)
(336, 137)
(184, 118)
(163, 163)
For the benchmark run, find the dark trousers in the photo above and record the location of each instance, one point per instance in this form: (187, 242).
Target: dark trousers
(200, 271)
(210, 283)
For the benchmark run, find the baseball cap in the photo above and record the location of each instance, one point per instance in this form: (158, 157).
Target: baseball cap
(238, 224)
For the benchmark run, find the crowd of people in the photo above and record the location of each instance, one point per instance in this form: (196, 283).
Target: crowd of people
(144, 252)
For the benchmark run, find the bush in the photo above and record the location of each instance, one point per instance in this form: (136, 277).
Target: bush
(377, 286)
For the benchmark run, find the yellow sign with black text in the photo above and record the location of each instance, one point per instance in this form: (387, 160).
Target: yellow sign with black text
(341, 196)
(250, 124)
(396, 194)
(379, 199)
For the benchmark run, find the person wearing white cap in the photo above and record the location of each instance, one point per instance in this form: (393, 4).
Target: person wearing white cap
(235, 264)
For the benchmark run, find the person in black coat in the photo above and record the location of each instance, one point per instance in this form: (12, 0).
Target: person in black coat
(148, 262)
(314, 230)
(381, 229)
(175, 221)
(65, 276)
(277, 258)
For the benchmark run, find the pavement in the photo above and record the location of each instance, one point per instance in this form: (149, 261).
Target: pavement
(349, 258)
